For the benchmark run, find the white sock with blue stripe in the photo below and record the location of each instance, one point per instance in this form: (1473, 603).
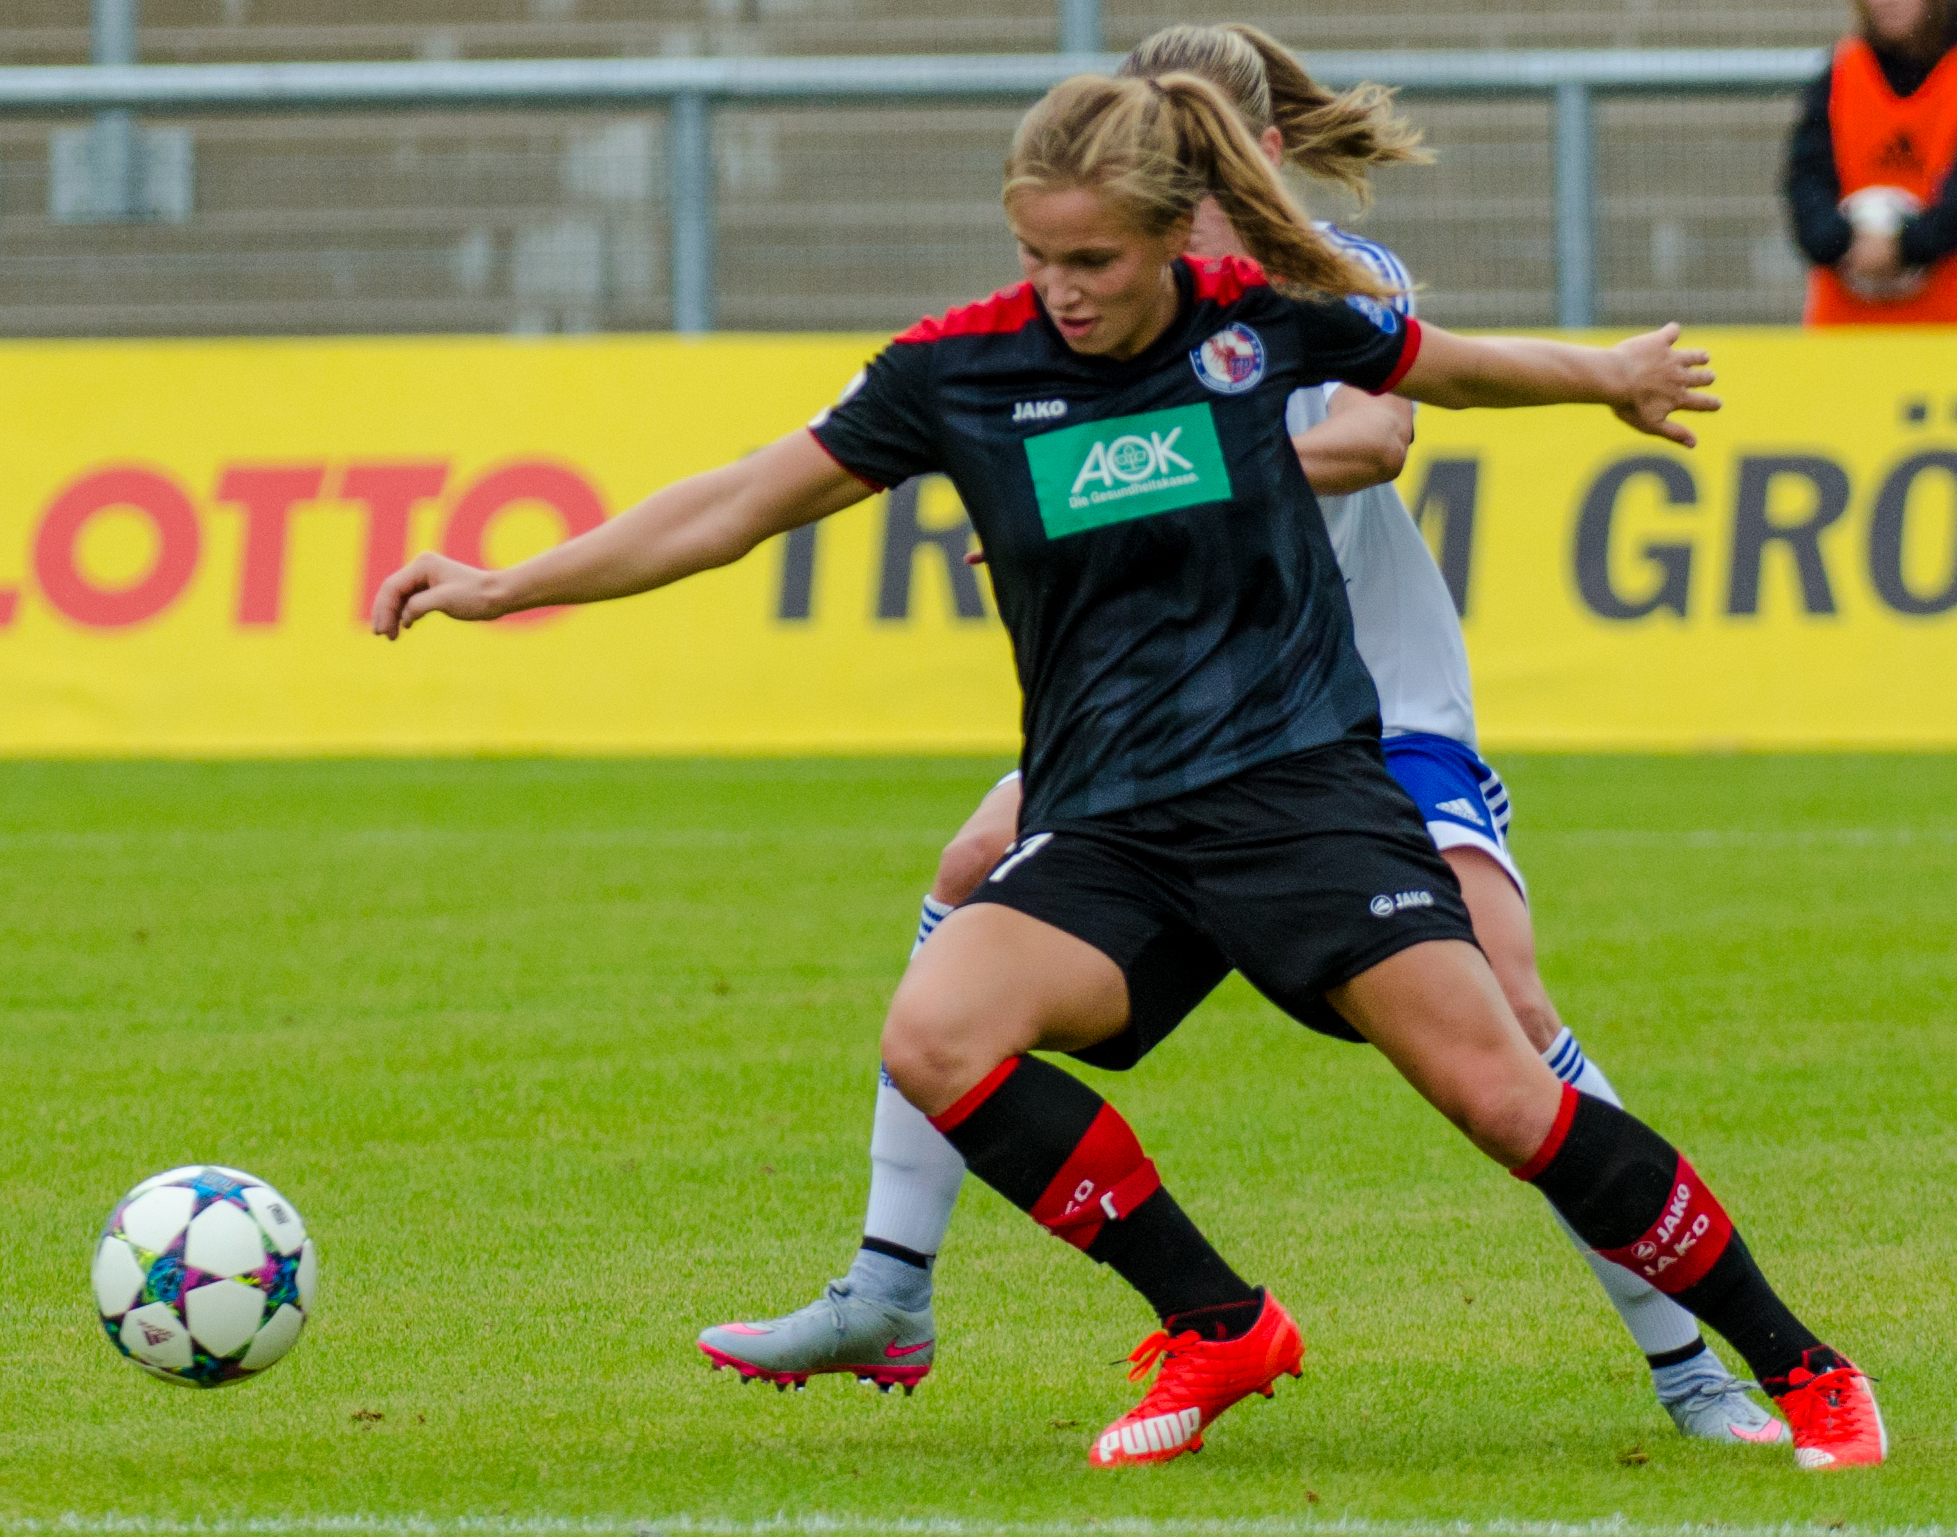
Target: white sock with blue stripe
(935, 913)
(1567, 1061)
(1661, 1327)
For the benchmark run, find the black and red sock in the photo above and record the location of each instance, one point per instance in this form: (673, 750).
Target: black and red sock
(1633, 1198)
(1059, 1152)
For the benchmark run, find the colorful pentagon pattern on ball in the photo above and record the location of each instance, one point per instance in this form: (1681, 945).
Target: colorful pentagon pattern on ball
(204, 1275)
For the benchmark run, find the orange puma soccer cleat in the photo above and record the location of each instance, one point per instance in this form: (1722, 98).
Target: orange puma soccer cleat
(1834, 1415)
(1198, 1380)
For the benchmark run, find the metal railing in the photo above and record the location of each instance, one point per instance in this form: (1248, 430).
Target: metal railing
(690, 88)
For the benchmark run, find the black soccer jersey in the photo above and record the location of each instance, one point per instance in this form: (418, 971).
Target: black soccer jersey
(1175, 610)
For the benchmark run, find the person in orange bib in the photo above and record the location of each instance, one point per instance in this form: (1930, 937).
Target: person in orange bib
(1869, 178)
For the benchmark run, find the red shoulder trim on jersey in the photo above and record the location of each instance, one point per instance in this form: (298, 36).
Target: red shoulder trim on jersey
(1407, 354)
(839, 463)
(1010, 309)
(1226, 279)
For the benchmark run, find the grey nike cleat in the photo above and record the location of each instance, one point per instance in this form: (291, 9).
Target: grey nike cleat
(1716, 1408)
(838, 1332)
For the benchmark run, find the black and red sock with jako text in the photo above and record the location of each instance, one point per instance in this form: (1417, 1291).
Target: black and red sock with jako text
(1059, 1152)
(1633, 1198)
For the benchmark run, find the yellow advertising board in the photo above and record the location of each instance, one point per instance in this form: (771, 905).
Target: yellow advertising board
(190, 532)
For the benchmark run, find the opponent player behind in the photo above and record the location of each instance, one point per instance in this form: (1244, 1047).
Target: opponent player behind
(876, 1322)
(1204, 787)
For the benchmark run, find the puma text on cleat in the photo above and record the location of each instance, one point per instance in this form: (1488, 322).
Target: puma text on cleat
(1833, 1412)
(838, 1332)
(1198, 1380)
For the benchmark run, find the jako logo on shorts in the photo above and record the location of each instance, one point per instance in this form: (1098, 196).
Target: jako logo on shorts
(1130, 467)
(1399, 902)
(1231, 361)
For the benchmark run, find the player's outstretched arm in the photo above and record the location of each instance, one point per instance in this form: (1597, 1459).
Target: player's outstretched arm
(1643, 379)
(707, 520)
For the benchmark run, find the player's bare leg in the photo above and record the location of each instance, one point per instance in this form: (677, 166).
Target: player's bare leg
(1436, 1012)
(1693, 1385)
(956, 1041)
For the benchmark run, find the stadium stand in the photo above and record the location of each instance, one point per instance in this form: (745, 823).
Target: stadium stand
(833, 218)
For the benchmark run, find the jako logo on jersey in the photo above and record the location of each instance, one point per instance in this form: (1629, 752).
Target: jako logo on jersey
(1399, 902)
(1130, 467)
(1382, 315)
(1231, 361)
(1039, 410)
(1462, 808)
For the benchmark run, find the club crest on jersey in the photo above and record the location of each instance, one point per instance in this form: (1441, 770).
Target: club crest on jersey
(1231, 361)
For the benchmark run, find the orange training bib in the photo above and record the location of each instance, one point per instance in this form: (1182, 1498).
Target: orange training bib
(1883, 140)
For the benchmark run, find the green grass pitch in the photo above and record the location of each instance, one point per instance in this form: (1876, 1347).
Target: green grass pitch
(563, 1060)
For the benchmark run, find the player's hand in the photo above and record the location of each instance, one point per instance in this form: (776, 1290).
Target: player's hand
(1660, 378)
(434, 584)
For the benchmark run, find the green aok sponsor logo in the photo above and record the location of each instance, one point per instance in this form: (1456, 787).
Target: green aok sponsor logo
(1131, 467)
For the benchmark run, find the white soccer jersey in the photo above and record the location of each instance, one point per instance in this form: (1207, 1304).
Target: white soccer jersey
(1403, 617)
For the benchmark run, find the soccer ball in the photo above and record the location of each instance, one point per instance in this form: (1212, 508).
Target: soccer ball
(204, 1276)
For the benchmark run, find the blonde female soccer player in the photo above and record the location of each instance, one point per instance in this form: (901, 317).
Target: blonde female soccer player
(876, 1322)
(1203, 777)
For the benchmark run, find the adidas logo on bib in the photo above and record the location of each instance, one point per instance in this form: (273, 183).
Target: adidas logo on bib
(1462, 808)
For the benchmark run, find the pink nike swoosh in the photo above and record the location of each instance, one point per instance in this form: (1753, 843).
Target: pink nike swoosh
(893, 1352)
(1766, 1435)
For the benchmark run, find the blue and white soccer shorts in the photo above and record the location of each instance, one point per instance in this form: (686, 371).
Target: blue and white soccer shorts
(1462, 799)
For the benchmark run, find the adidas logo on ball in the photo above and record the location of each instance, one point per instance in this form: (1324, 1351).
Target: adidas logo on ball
(254, 1271)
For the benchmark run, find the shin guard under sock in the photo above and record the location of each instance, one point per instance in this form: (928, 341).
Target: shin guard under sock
(1634, 1199)
(1058, 1151)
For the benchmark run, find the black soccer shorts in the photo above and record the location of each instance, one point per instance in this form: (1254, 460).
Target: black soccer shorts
(1300, 873)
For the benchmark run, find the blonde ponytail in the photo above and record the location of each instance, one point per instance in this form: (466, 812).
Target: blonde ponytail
(1260, 208)
(1335, 136)
(1155, 148)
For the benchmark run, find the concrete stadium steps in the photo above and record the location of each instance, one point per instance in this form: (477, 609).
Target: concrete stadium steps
(50, 31)
(829, 219)
(207, 31)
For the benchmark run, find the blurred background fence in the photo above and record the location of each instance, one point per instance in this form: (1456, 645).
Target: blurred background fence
(843, 211)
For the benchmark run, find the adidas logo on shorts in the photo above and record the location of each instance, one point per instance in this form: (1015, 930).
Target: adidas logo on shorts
(1462, 808)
